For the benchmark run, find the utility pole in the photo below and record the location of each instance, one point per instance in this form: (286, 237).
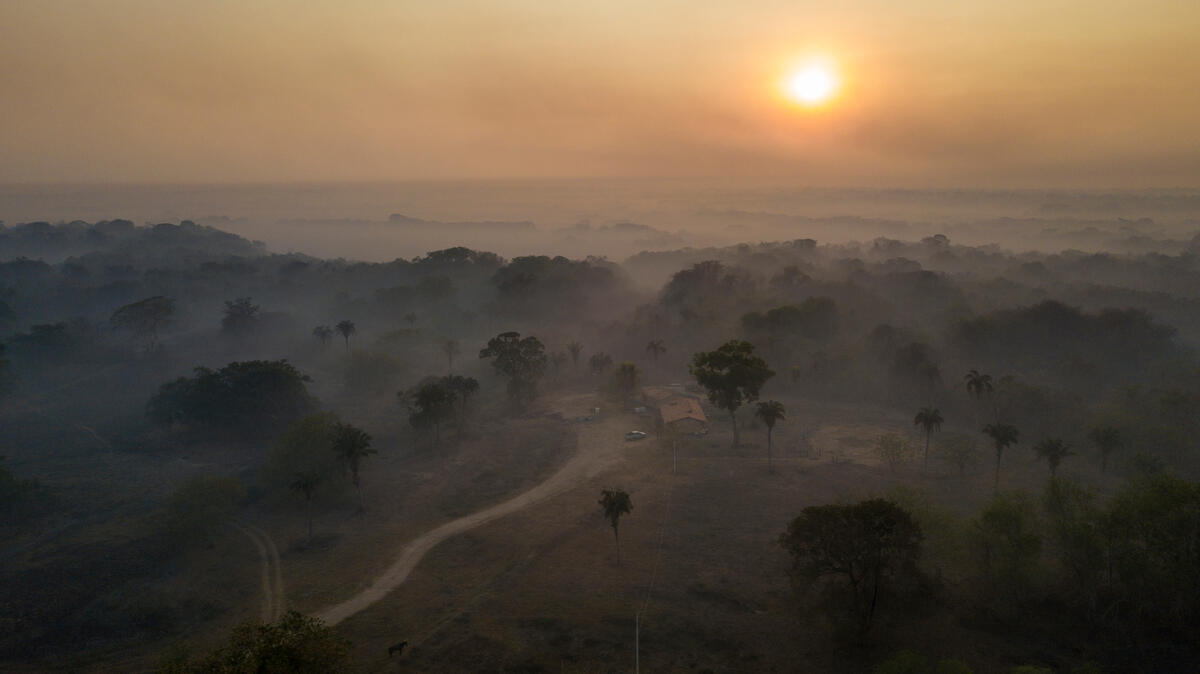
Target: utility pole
(637, 642)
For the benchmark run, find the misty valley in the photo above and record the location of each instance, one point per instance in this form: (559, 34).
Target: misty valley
(904, 454)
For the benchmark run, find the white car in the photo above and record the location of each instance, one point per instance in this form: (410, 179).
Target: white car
(635, 435)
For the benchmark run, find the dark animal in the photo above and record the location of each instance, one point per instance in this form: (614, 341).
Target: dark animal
(398, 648)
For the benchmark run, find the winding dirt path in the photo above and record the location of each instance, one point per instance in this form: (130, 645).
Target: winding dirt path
(274, 602)
(600, 446)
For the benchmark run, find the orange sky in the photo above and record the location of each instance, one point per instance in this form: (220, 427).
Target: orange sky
(1102, 93)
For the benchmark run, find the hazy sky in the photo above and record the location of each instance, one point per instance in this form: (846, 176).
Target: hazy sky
(1102, 93)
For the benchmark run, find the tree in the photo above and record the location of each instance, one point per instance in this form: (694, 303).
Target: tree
(1108, 440)
(252, 399)
(957, 450)
(656, 349)
(1053, 451)
(144, 319)
(463, 388)
(324, 334)
(521, 360)
(732, 374)
(599, 363)
(864, 547)
(345, 329)
(202, 504)
(1006, 542)
(451, 347)
(306, 483)
(431, 404)
(624, 382)
(574, 348)
(352, 444)
(770, 412)
(615, 503)
(296, 644)
(241, 315)
(930, 419)
(1003, 436)
(979, 384)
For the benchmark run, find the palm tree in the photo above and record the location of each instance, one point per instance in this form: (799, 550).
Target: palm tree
(1107, 439)
(323, 333)
(352, 445)
(1053, 450)
(346, 328)
(930, 419)
(656, 349)
(979, 384)
(307, 483)
(615, 503)
(451, 348)
(1002, 435)
(574, 348)
(770, 411)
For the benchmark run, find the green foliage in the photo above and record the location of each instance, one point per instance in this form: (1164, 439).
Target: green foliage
(615, 503)
(1053, 451)
(815, 319)
(351, 445)
(305, 448)
(431, 405)
(1076, 531)
(521, 360)
(733, 374)
(908, 662)
(1006, 542)
(958, 451)
(1003, 436)
(144, 319)
(251, 399)
(863, 548)
(371, 373)
(296, 644)
(202, 504)
(240, 315)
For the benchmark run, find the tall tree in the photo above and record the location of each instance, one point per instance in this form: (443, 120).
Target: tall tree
(431, 404)
(352, 445)
(732, 375)
(599, 363)
(241, 315)
(145, 318)
(866, 545)
(345, 329)
(306, 483)
(1003, 436)
(625, 381)
(323, 333)
(574, 348)
(930, 419)
(656, 349)
(770, 412)
(615, 503)
(521, 360)
(1053, 451)
(979, 385)
(1108, 440)
(451, 347)
(295, 643)
(463, 388)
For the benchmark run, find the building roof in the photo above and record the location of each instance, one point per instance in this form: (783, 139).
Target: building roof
(680, 408)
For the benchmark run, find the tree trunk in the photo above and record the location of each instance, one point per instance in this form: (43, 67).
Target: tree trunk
(618, 539)
(309, 501)
(347, 344)
(997, 488)
(733, 416)
(925, 463)
(358, 489)
(770, 468)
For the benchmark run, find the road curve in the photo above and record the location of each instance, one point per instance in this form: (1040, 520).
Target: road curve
(598, 448)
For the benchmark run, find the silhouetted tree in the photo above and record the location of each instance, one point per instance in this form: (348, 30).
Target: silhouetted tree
(979, 384)
(656, 349)
(867, 546)
(306, 483)
(1003, 436)
(615, 503)
(1053, 451)
(770, 411)
(296, 644)
(352, 445)
(732, 374)
(625, 381)
(323, 333)
(1107, 439)
(574, 348)
(345, 329)
(145, 318)
(599, 363)
(521, 360)
(463, 388)
(930, 420)
(241, 315)
(431, 404)
(451, 347)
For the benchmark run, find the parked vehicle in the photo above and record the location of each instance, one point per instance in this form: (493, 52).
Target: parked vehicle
(635, 435)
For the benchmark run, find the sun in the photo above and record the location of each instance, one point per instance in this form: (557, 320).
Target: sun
(811, 84)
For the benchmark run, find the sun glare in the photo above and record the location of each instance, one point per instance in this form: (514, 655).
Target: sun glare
(811, 84)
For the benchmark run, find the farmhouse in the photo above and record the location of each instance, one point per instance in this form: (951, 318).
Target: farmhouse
(676, 410)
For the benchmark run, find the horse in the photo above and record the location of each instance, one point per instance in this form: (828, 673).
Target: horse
(397, 648)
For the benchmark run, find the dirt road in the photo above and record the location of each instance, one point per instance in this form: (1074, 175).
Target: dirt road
(274, 602)
(600, 446)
